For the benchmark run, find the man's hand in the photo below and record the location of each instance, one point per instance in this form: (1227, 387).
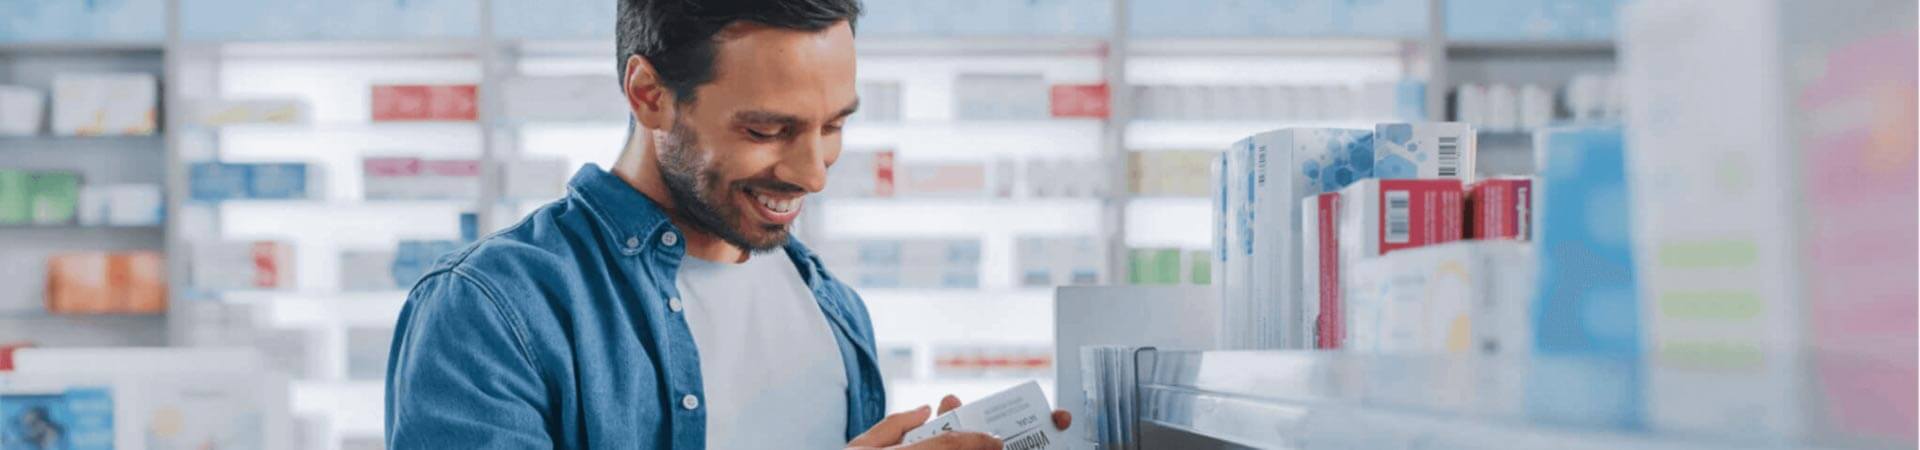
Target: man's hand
(887, 433)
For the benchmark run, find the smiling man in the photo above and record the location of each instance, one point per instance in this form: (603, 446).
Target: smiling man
(664, 304)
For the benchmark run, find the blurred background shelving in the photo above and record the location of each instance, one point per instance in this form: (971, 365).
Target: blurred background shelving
(1313, 51)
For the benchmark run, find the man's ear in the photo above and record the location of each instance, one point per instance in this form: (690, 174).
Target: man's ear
(650, 101)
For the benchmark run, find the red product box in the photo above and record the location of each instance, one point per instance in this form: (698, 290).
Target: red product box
(1500, 208)
(425, 102)
(1370, 218)
(883, 174)
(1080, 100)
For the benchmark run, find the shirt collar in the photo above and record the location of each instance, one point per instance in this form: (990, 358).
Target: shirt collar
(636, 224)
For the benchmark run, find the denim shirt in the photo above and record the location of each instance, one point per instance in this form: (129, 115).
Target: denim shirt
(562, 332)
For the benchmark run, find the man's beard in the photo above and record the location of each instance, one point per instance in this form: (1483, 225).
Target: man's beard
(701, 199)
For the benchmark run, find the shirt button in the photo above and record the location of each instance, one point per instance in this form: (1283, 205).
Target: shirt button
(690, 401)
(674, 304)
(670, 238)
(633, 242)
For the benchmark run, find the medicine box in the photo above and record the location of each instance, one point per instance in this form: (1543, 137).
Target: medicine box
(242, 265)
(22, 110)
(420, 102)
(1425, 150)
(1461, 297)
(1500, 208)
(1372, 217)
(224, 112)
(100, 104)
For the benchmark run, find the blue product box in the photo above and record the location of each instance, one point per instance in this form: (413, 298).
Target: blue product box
(216, 181)
(82, 416)
(1524, 20)
(83, 21)
(1586, 299)
(279, 181)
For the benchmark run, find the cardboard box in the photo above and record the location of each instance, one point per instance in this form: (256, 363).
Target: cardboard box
(106, 283)
(22, 110)
(1461, 297)
(16, 196)
(398, 103)
(224, 112)
(1370, 218)
(105, 104)
(1273, 172)
(55, 197)
(242, 265)
(1020, 416)
(1425, 150)
(1079, 100)
(1000, 97)
(1500, 208)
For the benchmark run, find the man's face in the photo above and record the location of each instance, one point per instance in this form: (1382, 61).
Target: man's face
(739, 160)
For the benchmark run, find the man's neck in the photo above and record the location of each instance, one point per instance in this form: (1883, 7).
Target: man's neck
(639, 166)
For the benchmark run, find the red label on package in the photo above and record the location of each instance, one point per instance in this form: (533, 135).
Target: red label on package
(390, 167)
(1500, 208)
(266, 265)
(1419, 212)
(426, 102)
(1329, 323)
(883, 174)
(1080, 100)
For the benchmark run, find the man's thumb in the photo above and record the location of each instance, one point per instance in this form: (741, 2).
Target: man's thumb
(889, 431)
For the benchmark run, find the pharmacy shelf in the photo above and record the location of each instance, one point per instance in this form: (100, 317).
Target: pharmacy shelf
(344, 49)
(1267, 46)
(71, 47)
(1217, 134)
(1532, 46)
(1305, 399)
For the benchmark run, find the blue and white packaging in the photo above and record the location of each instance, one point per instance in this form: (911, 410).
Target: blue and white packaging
(1586, 304)
(1425, 150)
(121, 205)
(216, 181)
(1262, 306)
(278, 181)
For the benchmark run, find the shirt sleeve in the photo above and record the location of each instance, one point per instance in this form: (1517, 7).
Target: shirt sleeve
(459, 374)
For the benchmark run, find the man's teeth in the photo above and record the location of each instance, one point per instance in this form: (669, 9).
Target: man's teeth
(782, 206)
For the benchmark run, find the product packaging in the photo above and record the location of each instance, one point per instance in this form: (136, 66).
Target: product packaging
(55, 197)
(444, 179)
(217, 181)
(1169, 173)
(22, 110)
(1461, 297)
(1425, 150)
(83, 416)
(959, 179)
(106, 283)
(861, 174)
(1020, 416)
(16, 196)
(224, 112)
(981, 96)
(121, 205)
(278, 181)
(399, 103)
(1585, 304)
(1059, 261)
(98, 104)
(1079, 101)
(1500, 208)
(1373, 217)
(242, 265)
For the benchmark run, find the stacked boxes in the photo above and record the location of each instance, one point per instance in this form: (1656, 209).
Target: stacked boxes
(106, 283)
(913, 263)
(1464, 297)
(1370, 218)
(39, 197)
(101, 104)
(1500, 208)
(217, 181)
(405, 178)
(1267, 176)
(1059, 261)
(413, 103)
(121, 205)
(240, 265)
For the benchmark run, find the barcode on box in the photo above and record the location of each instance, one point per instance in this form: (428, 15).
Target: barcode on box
(1399, 217)
(1033, 440)
(1449, 156)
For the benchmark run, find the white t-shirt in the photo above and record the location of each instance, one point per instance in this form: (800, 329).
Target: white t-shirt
(770, 364)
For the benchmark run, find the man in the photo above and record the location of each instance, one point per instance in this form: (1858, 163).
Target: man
(663, 305)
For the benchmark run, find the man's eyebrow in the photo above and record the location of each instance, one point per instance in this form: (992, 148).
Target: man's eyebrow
(848, 111)
(763, 117)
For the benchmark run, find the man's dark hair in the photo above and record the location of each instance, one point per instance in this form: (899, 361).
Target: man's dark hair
(678, 36)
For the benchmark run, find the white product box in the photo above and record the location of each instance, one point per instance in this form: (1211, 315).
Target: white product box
(223, 112)
(1462, 297)
(240, 265)
(1059, 261)
(1001, 97)
(536, 179)
(121, 205)
(22, 109)
(1278, 170)
(1425, 150)
(1020, 416)
(571, 98)
(105, 104)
